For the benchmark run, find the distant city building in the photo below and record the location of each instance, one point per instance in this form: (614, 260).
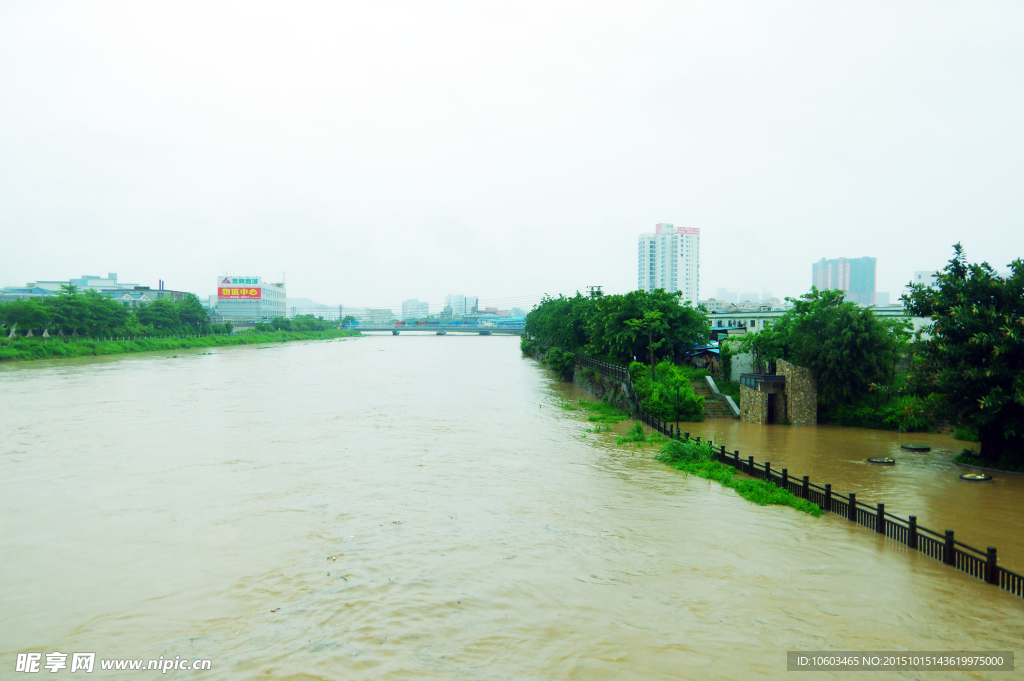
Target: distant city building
(304, 306)
(461, 305)
(9, 293)
(108, 286)
(715, 306)
(854, 276)
(249, 298)
(376, 316)
(726, 296)
(881, 298)
(414, 309)
(925, 278)
(750, 297)
(493, 312)
(516, 312)
(669, 258)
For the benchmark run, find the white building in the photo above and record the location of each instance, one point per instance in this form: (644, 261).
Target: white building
(925, 278)
(414, 309)
(249, 298)
(670, 259)
(461, 304)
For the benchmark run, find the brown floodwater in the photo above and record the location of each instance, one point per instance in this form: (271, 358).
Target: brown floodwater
(418, 507)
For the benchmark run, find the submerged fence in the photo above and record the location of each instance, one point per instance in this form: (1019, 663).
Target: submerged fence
(944, 547)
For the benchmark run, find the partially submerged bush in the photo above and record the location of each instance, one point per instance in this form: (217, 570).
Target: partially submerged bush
(698, 458)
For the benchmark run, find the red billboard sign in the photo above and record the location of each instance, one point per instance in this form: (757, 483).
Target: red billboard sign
(239, 292)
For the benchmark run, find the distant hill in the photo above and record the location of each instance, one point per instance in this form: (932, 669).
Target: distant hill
(305, 302)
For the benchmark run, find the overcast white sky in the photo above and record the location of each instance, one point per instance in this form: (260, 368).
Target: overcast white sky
(378, 151)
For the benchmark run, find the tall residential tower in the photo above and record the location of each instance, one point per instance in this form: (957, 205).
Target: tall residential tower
(670, 259)
(855, 276)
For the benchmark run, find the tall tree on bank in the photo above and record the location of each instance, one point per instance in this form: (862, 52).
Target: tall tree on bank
(649, 325)
(604, 326)
(971, 358)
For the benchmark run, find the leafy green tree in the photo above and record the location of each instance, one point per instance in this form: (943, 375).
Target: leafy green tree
(603, 325)
(970, 360)
(670, 397)
(347, 319)
(562, 363)
(162, 314)
(847, 347)
(649, 325)
(613, 333)
(25, 315)
(191, 314)
(101, 314)
(562, 322)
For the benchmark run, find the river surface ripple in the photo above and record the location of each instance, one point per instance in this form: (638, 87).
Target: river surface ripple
(416, 507)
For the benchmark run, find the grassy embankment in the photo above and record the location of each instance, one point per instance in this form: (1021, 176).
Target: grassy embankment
(23, 349)
(698, 458)
(599, 413)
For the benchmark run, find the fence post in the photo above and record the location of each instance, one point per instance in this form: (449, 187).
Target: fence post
(785, 479)
(687, 435)
(721, 454)
(736, 464)
(768, 471)
(852, 515)
(750, 465)
(991, 572)
(912, 532)
(880, 519)
(828, 496)
(949, 554)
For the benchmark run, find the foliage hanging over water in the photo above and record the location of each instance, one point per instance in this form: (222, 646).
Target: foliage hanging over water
(620, 327)
(698, 458)
(847, 347)
(667, 395)
(970, 360)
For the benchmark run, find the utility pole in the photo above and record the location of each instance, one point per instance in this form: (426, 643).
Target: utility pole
(594, 291)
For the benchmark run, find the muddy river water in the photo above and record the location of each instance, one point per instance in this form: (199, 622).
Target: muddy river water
(418, 507)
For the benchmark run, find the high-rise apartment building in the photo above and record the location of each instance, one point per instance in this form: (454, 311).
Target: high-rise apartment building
(414, 309)
(854, 276)
(461, 304)
(669, 259)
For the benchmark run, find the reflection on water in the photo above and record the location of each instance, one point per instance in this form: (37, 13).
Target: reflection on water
(419, 508)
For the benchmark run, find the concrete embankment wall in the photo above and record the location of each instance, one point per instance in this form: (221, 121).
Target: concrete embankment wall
(616, 393)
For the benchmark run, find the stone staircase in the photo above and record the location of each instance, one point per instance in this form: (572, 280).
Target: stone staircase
(713, 408)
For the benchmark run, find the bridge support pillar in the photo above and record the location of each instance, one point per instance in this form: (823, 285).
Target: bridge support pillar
(394, 332)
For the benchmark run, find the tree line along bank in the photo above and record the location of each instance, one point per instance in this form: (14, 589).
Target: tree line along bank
(95, 324)
(965, 370)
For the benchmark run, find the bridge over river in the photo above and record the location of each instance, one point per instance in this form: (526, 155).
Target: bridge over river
(442, 330)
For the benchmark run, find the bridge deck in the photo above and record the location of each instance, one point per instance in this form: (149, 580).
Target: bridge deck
(485, 330)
